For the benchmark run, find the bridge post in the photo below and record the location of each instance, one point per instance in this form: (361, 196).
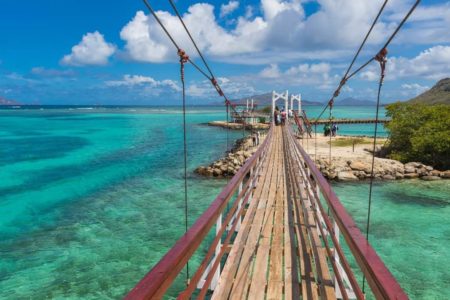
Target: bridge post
(299, 102)
(275, 97)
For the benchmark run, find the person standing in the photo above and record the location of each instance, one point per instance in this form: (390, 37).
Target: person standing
(258, 135)
(283, 117)
(275, 117)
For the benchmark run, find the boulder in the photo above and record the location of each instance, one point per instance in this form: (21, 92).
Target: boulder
(346, 176)
(422, 171)
(429, 168)
(399, 175)
(201, 170)
(388, 177)
(411, 175)
(435, 173)
(410, 169)
(360, 166)
(414, 164)
(217, 172)
(430, 178)
(445, 174)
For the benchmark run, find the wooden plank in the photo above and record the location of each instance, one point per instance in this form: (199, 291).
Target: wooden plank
(308, 284)
(259, 278)
(226, 280)
(275, 280)
(258, 249)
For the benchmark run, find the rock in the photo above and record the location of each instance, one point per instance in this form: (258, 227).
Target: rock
(360, 166)
(201, 170)
(421, 171)
(399, 175)
(410, 169)
(346, 176)
(388, 177)
(430, 178)
(236, 162)
(413, 164)
(435, 173)
(429, 168)
(411, 175)
(445, 174)
(223, 169)
(217, 172)
(360, 174)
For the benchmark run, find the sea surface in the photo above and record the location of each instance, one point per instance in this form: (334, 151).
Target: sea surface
(92, 197)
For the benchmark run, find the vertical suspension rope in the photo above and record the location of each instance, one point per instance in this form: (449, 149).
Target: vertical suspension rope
(381, 58)
(331, 115)
(184, 58)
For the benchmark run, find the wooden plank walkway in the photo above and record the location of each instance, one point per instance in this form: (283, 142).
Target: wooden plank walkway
(277, 253)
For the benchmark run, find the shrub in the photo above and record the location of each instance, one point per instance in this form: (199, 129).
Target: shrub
(419, 132)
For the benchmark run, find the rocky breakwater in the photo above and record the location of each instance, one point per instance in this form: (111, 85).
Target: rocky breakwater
(232, 162)
(342, 169)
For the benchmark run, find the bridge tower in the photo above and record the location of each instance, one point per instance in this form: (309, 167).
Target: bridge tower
(299, 99)
(283, 96)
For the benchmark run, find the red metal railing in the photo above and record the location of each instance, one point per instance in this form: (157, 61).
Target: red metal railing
(163, 274)
(160, 278)
(381, 281)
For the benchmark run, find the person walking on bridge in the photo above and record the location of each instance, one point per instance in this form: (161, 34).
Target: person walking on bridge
(283, 117)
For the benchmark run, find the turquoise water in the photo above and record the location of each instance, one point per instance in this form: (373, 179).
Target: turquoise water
(90, 199)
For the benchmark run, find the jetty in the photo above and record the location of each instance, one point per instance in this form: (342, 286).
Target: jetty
(275, 231)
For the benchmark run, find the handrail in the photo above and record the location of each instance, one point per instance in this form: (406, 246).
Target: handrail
(156, 282)
(381, 281)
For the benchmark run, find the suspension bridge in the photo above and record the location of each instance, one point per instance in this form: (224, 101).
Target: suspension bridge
(276, 230)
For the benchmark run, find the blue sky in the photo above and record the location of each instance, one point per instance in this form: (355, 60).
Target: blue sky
(113, 52)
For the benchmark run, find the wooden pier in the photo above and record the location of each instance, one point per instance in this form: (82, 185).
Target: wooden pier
(273, 237)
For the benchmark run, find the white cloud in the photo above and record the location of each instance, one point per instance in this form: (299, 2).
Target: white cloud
(432, 64)
(232, 88)
(271, 71)
(226, 9)
(92, 50)
(282, 32)
(143, 81)
(413, 89)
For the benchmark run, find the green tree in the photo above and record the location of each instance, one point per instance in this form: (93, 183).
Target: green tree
(419, 132)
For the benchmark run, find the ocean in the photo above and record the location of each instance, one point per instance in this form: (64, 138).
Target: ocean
(92, 197)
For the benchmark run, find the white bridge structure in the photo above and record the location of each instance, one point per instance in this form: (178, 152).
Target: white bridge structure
(285, 96)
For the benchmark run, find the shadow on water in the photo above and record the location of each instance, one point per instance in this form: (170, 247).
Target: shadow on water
(37, 148)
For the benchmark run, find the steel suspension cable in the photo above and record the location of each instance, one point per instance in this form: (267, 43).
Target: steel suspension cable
(345, 78)
(183, 59)
(152, 11)
(212, 78)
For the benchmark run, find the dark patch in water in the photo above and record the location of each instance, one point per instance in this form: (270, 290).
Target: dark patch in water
(36, 148)
(402, 198)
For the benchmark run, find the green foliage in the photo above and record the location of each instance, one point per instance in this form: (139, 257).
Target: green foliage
(267, 109)
(419, 132)
(262, 120)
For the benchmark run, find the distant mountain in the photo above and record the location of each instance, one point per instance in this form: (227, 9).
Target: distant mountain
(354, 102)
(265, 100)
(4, 101)
(438, 94)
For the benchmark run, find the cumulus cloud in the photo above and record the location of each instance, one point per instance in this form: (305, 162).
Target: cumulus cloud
(432, 64)
(226, 9)
(92, 50)
(282, 31)
(143, 81)
(413, 89)
(305, 74)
